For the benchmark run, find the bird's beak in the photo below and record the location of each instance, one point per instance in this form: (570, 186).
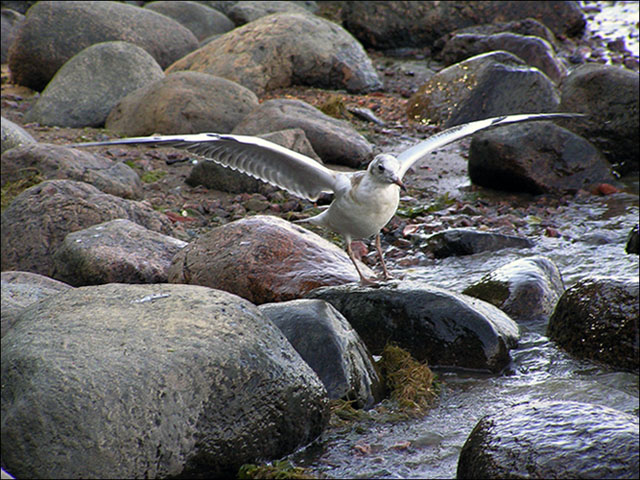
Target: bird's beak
(400, 184)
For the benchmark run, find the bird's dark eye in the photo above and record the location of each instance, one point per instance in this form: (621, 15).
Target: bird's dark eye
(381, 168)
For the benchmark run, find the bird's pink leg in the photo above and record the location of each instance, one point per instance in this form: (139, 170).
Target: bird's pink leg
(387, 275)
(363, 280)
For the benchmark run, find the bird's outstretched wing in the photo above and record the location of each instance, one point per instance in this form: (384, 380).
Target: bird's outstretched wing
(420, 151)
(254, 156)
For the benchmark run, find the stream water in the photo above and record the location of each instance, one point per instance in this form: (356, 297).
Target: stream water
(594, 234)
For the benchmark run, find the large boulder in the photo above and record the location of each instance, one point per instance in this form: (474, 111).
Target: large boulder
(263, 259)
(246, 11)
(552, 440)
(484, 86)
(537, 158)
(36, 222)
(597, 319)
(11, 22)
(200, 19)
(90, 84)
(181, 103)
(610, 98)
(335, 141)
(153, 381)
(286, 49)
(446, 329)
(59, 162)
(13, 135)
(55, 31)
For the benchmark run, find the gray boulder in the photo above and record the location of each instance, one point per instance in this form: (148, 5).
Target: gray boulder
(54, 32)
(335, 141)
(118, 251)
(484, 86)
(263, 259)
(36, 222)
(597, 319)
(444, 328)
(21, 289)
(610, 98)
(319, 53)
(246, 11)
(326, 341)
(90, 84)
(464, 241)
(10, 22)
(58, 162)
(180, 103)
(538, 157)
(526, 289)
(153, 381)
(13, 135)
(552, 440)
(200, 19)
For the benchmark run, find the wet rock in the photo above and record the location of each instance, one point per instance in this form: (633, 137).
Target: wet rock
(90, 84)
(535, 51)
(462, 241)
(444, 328)
(217, 177)
(326, 341)
(36, 222)
(484, 86)
(335, 141)
(319, 53)
(53, 32)
(632, 241)
(200, 19)
(263, 259)
(151, 381)
(597, 319)
(118, 251)
(245, 12)
(610, 97)
(552, 440)
(181, 103)
(385, 25)
(525, 289)
(538, 157)
(58, 162)
(12, 136)
(21, 289)
(11, 22)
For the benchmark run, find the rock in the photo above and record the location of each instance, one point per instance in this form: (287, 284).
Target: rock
(181, 103)
(21, 289)
(154, 381)
(245, 12)
(217, 177)
(610, 98)
(72, 26)
(538, 157)
(597, 319)
(526, 289)
(13, 135)
(462, 241)
(326, 341)
(200, 19)
(444, 328)
(484, 86)
(11, 22)
(319, 53)
(632, 241)
(263, 259)
(552, 440)
(118, 251)
(90, 84)
(58, 162)
(535, 51)
(335, 141)
(36, 222)
(386, 25)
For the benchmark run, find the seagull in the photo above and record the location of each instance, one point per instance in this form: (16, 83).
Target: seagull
(364, 201)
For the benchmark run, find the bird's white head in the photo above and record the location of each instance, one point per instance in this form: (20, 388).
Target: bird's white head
(384, 168)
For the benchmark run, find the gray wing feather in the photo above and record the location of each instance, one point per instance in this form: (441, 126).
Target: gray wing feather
(254, 156)
(418, 152)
